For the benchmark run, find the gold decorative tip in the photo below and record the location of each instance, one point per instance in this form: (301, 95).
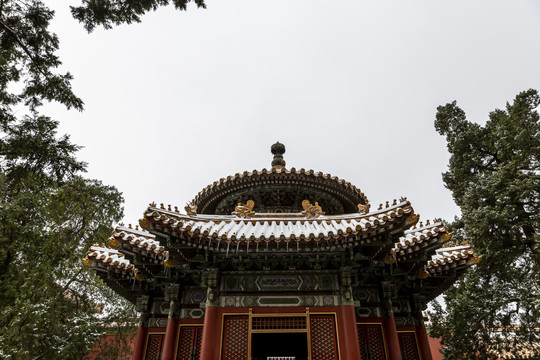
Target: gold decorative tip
(394, 203)
(388, 204)
(245, 211)
(446, 237)
(176, 209)
(87, 262)
(380, 207)
(114, 243)
(170, 263)
(311, 211)
(402, 199)
(136, 227)
(422, 274)
(139, 276)
(427, 222)
(191, 210)
(129, 226)
(389, 259)
(476, 259)
(364, 209)
(413, 219)
(144, 223)
(161, 206)
(152, 204)
(121, 224)
(169, 207)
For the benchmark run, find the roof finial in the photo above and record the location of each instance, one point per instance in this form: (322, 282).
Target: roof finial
(278, 149)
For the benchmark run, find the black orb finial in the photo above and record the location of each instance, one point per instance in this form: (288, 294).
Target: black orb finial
(278, 149)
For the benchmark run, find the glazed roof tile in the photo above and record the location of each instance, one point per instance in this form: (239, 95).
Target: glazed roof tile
(520, 350)
(269, 227)
(417, 238)
(451, 257)
(138, 241)
(110, 259)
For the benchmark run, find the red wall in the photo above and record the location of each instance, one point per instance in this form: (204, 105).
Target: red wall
(108, 340)
(435, 345)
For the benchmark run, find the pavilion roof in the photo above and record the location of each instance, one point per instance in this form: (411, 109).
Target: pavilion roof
(279, 228)
(215, 229)
(347, 192)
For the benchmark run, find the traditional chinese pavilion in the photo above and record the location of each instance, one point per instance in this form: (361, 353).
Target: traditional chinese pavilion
(281, 262)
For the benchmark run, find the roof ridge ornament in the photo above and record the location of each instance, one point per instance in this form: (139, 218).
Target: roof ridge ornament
(311, 211)
(364, 208)
(278, 149)
(245, 211)
(191, 210)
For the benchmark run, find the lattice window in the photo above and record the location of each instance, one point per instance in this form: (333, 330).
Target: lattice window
(407, 344)
(370, 340)
(189, 343)
(154, 347)
(323, 337)
(279, 323)
(362, 343)
(198, 343)
(235, 336)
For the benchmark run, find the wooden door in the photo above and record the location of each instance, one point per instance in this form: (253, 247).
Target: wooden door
(323, 337)
(370, 340)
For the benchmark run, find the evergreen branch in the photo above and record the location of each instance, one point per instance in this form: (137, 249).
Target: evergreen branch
(24, 47)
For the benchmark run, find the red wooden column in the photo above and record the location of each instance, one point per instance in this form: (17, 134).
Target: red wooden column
(140, 339)
(392, 341)
(171, 333)
(422, 338)
(210, 332)
(389, 323)
(350, 349)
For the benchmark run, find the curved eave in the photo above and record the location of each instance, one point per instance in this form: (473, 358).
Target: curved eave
(136, 241)
(445, 267)
(214, 231)
(106, 259)
(451, 258)
(427, 237)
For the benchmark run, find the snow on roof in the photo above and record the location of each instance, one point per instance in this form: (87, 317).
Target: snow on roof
(137, 240)
(451, 257)
(276, 227)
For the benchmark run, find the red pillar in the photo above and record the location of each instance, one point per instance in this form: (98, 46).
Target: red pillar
(350, 349)
(423, 342)
(169, 343)
(392, 341)
(140, 341)
(210, 330)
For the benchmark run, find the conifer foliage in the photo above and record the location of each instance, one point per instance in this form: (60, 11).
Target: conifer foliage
(494, 176)
(108, 13)
(51, 307)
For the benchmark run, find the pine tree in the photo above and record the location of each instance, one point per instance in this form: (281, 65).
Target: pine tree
(108, 13)
(51, 307)
(494, 176)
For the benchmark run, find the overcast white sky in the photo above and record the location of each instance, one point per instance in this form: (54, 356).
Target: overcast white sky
(350, 87)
